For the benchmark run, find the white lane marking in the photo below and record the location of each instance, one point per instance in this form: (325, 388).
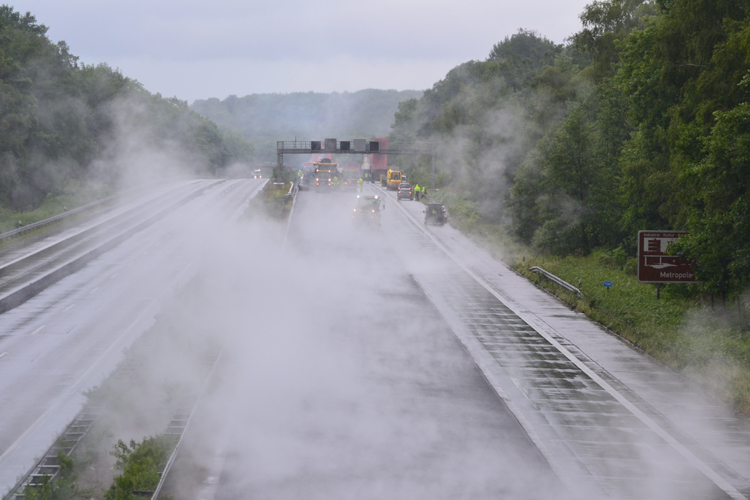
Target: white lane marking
(37, 330)
(95, 289)
(71, 306)
(540, 326)
(113, 275)
(2, 354)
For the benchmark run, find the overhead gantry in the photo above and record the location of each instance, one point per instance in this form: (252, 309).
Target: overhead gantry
(356, 147)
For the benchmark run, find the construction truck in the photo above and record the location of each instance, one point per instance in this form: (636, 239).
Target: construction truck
(325, 171)
(350, 177)
(393, 179)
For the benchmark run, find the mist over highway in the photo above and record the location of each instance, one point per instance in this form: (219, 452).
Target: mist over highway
(391, 361)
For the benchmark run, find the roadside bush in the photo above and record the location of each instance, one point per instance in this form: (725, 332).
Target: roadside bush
(141, 465)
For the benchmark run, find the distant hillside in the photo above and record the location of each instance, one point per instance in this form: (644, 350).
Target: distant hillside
(64, 124)
(266, 118)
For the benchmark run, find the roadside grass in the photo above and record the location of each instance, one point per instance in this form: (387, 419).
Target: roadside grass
(271, 202)
(709, 345)
(74, 195)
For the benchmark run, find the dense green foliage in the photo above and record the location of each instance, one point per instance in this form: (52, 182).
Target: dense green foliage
(266, 118)
(640, 122)
(62, 121)
(141, 465)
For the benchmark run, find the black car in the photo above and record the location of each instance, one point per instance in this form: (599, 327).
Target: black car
(436, 214)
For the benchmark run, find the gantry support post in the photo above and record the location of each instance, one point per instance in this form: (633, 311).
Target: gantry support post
(432, 157)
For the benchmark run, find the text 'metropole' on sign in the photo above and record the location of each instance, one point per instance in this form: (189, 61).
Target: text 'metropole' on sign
(655, 265)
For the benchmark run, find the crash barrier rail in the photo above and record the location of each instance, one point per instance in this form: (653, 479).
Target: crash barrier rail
(33, 288)
(180, 425)
(56, 218)
(294, 190)
(69, 213)
(557, 280)
(48, 467)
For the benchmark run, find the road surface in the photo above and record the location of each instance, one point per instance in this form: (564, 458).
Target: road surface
(65, 340)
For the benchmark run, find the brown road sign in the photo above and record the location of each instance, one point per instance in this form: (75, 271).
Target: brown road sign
(655, 265)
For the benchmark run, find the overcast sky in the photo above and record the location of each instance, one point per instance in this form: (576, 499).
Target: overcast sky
(198, 49)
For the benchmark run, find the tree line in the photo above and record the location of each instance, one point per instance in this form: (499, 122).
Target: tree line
(264, 119)
(63, 121)
(639, 121)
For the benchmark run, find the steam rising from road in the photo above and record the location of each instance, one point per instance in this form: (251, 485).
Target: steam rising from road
(338, 378)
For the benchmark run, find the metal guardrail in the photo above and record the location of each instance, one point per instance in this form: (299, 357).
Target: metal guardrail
(555, 279)
(57, 218)
(294, 190)
(70, 213)
(179, 426)
(25, 292)
(48, 467)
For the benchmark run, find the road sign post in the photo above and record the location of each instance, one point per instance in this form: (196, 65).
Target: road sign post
(657, 265)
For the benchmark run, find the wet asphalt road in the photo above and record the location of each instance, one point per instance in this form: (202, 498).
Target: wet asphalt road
(362, 390)
(374, 363)
(66, 339)
(613, 423)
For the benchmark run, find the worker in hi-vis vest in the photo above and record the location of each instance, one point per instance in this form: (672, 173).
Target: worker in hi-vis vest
(361, 185)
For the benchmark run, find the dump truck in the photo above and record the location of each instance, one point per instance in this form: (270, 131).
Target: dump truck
(325, 171)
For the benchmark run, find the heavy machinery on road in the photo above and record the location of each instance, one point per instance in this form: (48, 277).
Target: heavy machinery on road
(393, 179)
(325, 171)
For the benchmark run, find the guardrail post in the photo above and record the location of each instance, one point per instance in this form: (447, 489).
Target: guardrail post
(555, 279)
(432, 182)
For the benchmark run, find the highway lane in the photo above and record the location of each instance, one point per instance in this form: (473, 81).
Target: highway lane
(342, 381)
(609, 416)
(20, 247)
(66, 339)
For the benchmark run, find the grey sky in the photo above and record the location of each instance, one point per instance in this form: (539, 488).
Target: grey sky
(199, 49)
